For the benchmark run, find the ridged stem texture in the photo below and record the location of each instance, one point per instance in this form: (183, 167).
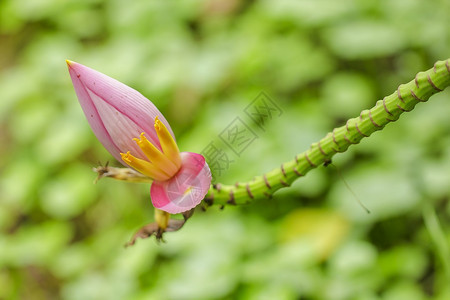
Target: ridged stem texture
(387, 110)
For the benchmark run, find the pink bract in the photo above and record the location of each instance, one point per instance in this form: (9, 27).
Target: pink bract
(186, 189)
(116, 112)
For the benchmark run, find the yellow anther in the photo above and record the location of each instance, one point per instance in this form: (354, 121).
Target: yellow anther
(155, 156)
(168, 145)
(145, 167)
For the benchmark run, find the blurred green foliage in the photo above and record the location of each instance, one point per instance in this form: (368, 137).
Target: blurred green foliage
(202, 62)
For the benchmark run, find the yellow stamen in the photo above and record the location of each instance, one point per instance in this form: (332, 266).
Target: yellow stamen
(155, 156)
(162, 218)
(159, 165)
(168, 145)
(145, 167)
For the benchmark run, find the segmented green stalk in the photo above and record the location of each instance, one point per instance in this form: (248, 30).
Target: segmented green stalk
(387, 110)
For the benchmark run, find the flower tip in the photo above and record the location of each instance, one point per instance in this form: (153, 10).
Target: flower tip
(69, 62)
(125, 156)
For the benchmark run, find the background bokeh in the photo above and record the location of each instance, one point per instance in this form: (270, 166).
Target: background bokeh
(202, 62)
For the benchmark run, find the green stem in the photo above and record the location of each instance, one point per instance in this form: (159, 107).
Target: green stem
(387, 110)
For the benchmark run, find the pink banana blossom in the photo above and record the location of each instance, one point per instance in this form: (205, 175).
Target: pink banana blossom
(133, 130)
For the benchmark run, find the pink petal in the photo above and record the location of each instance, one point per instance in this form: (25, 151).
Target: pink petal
(116, 112)
(186, 189)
